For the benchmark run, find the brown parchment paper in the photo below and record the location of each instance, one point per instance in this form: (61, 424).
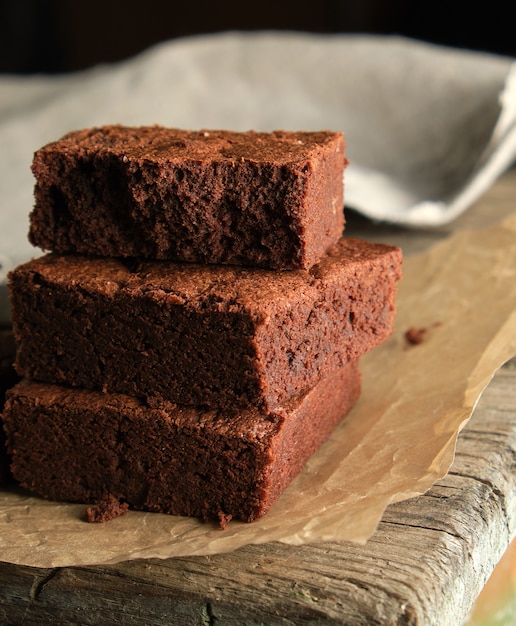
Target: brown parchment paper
(397, 441)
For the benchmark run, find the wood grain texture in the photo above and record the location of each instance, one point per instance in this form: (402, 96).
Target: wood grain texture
(425, 564)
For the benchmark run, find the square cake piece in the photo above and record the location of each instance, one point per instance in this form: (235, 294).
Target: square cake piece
(272, 200)
(78, 445)
(196, 334)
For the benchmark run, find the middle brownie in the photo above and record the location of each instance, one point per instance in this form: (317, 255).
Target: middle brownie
(217, 336)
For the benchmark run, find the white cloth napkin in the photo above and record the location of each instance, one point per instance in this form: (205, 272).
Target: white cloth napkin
(428, 128)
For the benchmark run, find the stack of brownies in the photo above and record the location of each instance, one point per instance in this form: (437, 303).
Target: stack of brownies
(194, 334)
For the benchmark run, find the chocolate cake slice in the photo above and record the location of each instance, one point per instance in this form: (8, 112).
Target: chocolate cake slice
(86, 446)
(272, 200)
(204, 335)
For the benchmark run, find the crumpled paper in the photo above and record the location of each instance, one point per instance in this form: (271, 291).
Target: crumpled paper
(428, 128)
(394, 444)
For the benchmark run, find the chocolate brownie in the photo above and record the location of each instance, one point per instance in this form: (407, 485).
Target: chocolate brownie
(85, 446)
(201, 334)
(8, 378)
(272, 200)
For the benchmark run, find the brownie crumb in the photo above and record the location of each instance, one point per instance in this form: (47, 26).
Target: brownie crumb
(106, 509)
(224, 519)
(415, 336)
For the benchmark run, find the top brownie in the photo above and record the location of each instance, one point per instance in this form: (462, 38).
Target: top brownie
(270, 200)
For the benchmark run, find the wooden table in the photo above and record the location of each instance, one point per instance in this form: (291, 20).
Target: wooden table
(425, 564)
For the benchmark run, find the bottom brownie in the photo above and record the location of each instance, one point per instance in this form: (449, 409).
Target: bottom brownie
(84, 446)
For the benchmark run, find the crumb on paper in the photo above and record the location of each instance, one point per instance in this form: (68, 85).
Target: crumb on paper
(415, 336)
(224, 520)
(106, 509)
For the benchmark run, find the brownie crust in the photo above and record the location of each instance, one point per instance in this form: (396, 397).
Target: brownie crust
(272, 200)
(86, 446)
(204, 335)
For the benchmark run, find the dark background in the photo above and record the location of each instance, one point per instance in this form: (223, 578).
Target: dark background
(65, 35)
